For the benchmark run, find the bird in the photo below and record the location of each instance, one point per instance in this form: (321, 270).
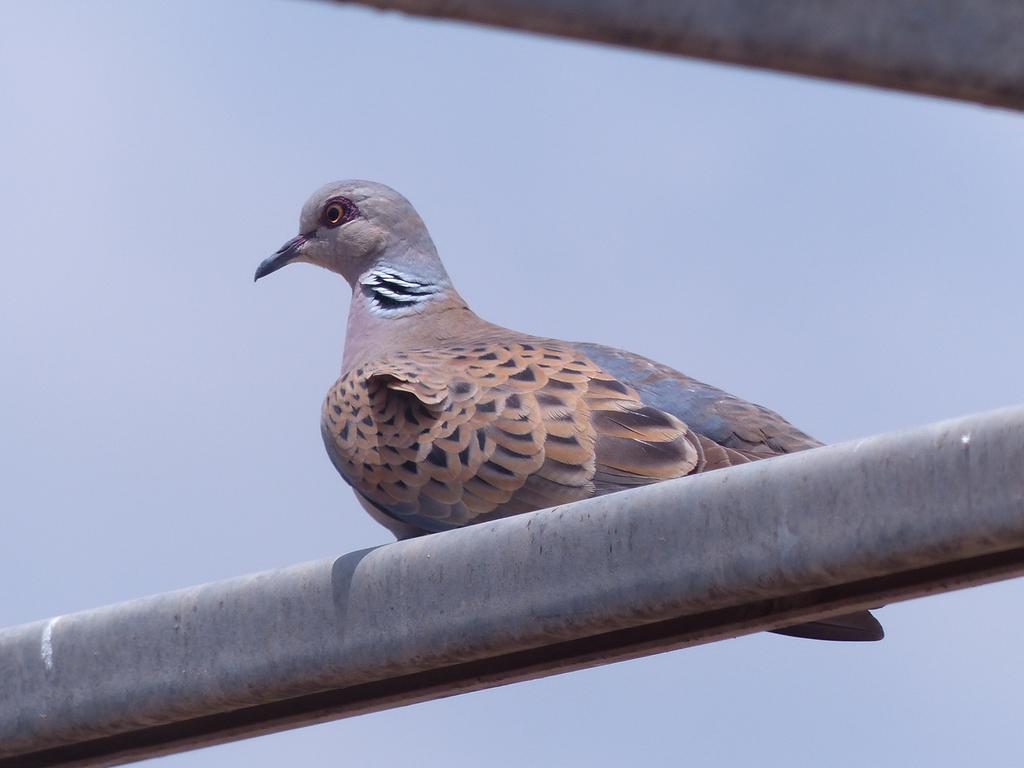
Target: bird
(441, 419)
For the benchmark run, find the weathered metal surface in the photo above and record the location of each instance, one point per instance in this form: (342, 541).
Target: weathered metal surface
(734, 551)
(962, 49)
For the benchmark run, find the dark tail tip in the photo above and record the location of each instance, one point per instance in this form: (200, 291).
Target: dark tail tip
(850, 627)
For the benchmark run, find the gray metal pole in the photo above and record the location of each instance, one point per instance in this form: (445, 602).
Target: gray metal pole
(689, 561)
(962, 49)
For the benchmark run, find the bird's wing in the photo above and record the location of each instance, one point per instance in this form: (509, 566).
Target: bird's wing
(444, 437)
(744, 430)
(752, 430)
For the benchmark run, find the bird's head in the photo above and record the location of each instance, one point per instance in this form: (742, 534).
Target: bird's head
(358, 228)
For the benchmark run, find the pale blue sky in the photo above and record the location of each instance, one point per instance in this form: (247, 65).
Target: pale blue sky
(847, 256)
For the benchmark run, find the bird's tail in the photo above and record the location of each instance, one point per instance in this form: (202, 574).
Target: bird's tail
(861, 626)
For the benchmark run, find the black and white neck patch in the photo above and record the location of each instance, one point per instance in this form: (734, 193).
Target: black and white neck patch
(391, 291)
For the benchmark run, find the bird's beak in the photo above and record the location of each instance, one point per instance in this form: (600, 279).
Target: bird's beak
(286, 254)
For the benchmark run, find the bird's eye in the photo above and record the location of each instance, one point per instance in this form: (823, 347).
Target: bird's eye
(337, 211)
(334, 214)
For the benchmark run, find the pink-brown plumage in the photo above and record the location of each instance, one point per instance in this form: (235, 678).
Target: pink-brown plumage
(479, 430)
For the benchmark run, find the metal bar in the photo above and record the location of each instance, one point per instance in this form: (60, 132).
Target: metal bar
(690, 561)
(961, 49)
